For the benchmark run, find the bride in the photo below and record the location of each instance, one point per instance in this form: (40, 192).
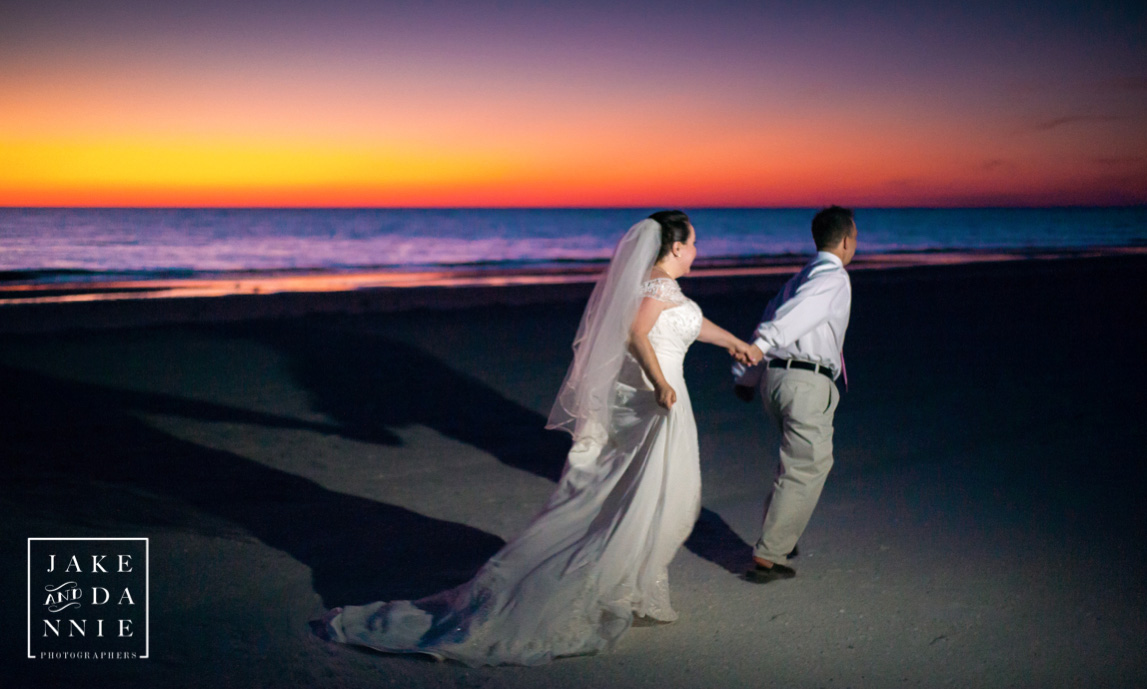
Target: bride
(597, 554)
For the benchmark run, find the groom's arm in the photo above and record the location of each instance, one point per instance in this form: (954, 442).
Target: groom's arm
(808, 308)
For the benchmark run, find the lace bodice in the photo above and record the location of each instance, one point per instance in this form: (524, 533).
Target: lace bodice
(664, 289)
(679, 324)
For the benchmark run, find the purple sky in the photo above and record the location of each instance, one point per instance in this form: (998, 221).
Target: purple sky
(611, 103)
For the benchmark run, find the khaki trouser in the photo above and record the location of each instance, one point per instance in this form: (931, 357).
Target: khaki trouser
(802, 404)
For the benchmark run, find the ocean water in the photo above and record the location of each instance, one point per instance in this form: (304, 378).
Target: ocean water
(77, 243)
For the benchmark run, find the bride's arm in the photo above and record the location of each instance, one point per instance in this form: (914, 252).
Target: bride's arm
(642, 349)
(737, 348)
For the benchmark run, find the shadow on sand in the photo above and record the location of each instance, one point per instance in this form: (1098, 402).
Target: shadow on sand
(64, 437)
(356, 377)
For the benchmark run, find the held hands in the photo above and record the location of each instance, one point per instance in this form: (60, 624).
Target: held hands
(747, 354)
(666, 395)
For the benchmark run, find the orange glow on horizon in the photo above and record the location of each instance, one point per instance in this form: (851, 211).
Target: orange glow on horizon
(142, 119)
(799, 170)
(66, 143)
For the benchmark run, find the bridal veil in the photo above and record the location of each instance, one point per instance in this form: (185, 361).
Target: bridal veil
(582, 407)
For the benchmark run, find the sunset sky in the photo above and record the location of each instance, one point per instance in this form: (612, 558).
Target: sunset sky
(576, 104)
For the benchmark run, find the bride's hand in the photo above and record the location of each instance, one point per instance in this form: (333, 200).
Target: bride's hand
(666, 395)
(747, 354)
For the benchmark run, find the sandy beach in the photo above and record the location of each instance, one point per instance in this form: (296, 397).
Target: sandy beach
(983, 525)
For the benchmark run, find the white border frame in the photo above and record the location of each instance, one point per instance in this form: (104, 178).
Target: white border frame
(146, 586)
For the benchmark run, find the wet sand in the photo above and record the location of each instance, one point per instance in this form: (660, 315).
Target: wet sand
(983, 525)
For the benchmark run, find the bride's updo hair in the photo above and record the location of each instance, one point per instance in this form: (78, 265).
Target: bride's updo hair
(674, 228)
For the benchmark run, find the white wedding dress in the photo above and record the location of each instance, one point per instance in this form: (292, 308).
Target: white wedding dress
(598, 552)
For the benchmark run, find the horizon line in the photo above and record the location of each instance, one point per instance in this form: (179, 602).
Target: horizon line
(987, 206)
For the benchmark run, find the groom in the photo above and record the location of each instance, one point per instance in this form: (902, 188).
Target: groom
(801, 335)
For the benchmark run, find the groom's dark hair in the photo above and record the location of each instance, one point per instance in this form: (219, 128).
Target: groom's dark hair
(674, 228)
(831, 225)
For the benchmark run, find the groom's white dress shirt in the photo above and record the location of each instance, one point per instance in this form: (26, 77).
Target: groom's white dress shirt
(806, 320)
